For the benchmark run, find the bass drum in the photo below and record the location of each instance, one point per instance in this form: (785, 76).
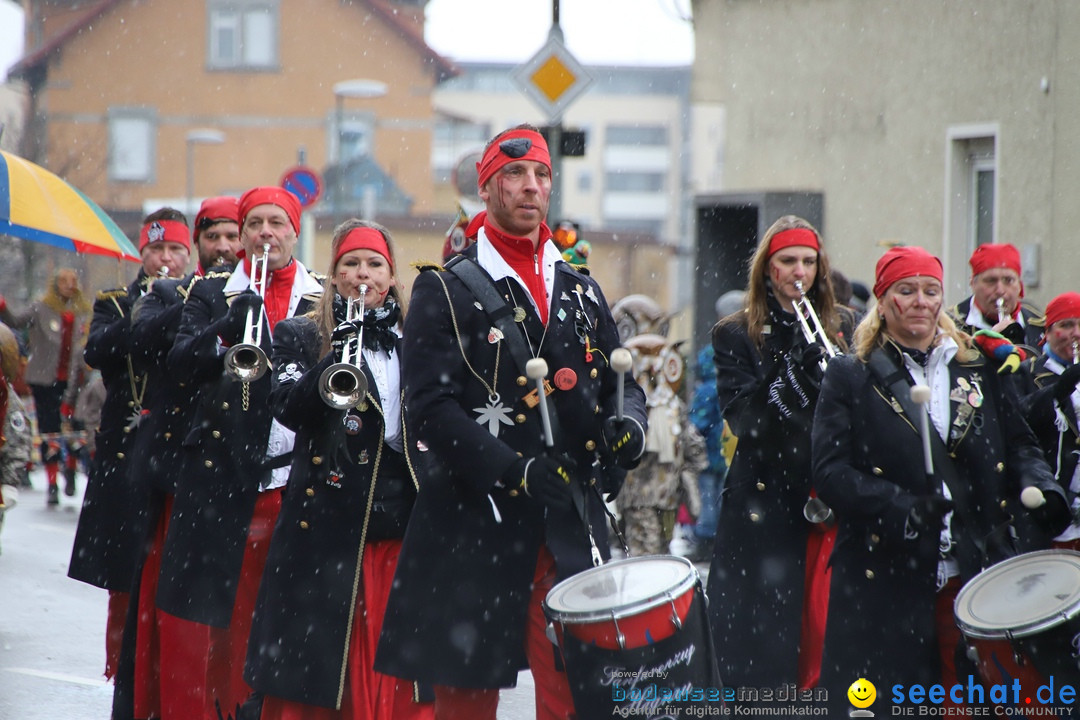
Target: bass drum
(1021, 619)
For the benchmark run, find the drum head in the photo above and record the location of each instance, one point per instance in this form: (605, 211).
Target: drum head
(1021, 596)
(620, 588)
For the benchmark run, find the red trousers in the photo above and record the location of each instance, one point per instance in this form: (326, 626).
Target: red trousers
(553, 701)
(114, 630)
(368, 695)
(228, 647)
(819, 547)
(170, 653)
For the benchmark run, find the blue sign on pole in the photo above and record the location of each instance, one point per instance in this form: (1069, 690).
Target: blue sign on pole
(304, 183)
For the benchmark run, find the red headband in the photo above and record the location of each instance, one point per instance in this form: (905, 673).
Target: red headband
(160, 231)
(270, 195)
(903, 262)
(1063, 307)
(795, 236)
(364, 238)
(216, 209)
(496, 156)
(987, 257)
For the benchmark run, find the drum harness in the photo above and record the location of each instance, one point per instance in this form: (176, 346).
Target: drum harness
(480, 284)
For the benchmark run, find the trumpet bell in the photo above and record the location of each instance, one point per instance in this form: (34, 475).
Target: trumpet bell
(342, 385)
(246, 362)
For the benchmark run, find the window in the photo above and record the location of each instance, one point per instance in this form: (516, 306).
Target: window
(635, 135)
(970, 198)
(243, 34)
(132, 145)
(634, 182)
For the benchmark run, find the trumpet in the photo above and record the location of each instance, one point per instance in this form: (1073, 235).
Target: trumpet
(1076, 352)
(343, 384)
(1000, 303)
(247, 362)
(812, 328)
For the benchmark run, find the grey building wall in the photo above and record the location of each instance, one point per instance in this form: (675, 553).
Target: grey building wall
(874, 103)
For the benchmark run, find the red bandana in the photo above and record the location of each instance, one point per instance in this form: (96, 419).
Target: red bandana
(903, 262)
(364, 238)
(496, 156)
(1063, 307)
(160, 231)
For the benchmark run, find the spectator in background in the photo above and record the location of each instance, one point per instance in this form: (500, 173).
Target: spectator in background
(706, 416)
(56, 327)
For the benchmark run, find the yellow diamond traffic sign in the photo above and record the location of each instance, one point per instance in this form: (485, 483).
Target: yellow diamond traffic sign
(552, 78)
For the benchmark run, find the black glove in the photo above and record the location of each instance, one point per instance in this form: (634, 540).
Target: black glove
(625, 441)
(1054, 514)
(1066, 382)
(928, 512)
(343, 334)
(236, 319)
(543, 477)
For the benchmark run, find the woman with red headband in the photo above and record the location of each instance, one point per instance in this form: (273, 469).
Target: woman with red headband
(351, 489)
(766, 577)
(907, 538)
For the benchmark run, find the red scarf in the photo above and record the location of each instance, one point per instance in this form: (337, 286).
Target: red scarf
(279, 284)
(67, 327)
(526, 261)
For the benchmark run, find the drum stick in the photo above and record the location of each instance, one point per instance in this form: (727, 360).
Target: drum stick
(1032, 497)
(621, 360)
(537, 369)
(920, 395)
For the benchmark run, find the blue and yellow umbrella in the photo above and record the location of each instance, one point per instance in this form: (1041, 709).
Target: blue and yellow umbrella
(37, 205)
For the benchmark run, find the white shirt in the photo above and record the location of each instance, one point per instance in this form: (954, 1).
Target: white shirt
(387, 373)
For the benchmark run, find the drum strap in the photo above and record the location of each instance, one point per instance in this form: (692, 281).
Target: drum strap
(899, 384)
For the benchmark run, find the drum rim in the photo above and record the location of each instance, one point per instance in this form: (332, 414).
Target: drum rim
(1022, 631)
(571, 617)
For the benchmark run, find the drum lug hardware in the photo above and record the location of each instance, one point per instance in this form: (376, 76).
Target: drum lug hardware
(675, 619)
(619, 637)
(550, 632)
(972, 653)
(1018, 657)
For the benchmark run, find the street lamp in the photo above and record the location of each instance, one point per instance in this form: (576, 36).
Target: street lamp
(199, 136)
(360, 88)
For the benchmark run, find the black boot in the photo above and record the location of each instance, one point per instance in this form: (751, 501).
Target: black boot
(69, 481)
(54, 495)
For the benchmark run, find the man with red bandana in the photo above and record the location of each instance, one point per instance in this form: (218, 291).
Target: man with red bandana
(235, 457)
(996, 298)
(162, 670)
(502, 516)
(112, 522)
(1051, 408)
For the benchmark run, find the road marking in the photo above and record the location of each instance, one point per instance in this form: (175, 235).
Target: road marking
(63, 677)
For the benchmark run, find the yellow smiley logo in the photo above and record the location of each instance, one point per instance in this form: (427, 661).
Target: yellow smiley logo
(862, 693)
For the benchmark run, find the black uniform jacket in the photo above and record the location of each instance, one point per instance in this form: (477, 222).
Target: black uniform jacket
(458, 607)
(869, 467)
(1058, 435)
(757, 574)
(224, 459)
(170, 396)
(305, 613)
(112, 523)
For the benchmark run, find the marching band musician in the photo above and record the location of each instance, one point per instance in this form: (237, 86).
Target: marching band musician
(112, 523)
(910, 537)
(502, 513)
(1051, 409)
(767, 582)
(351, 489)
(168, 677)
(235, 455)
(996, 300)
